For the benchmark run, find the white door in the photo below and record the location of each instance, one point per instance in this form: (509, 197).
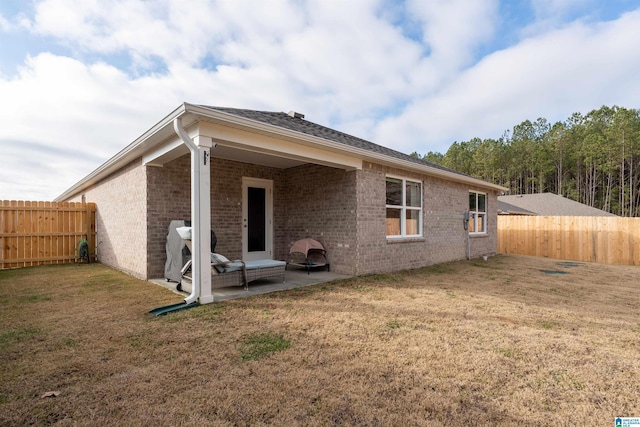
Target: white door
(257, 219)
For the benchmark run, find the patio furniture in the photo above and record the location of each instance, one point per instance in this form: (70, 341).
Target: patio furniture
(309, 254)
(226, 273)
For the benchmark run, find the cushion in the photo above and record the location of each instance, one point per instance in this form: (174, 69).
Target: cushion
(218, 258)
(217, 261)
(264, 263)
(232, 266)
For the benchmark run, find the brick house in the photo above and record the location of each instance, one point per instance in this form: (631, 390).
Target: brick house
(375, 209)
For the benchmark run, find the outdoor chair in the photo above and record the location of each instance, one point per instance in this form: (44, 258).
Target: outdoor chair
(227, 273)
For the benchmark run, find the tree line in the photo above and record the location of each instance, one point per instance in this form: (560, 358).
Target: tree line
(593, 159)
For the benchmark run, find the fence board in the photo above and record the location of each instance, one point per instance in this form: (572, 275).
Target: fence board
(606, 240)
(36, 233)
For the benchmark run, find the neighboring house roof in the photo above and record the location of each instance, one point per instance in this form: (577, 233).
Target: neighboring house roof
(547, 204)
(505, 208)
(290, 127)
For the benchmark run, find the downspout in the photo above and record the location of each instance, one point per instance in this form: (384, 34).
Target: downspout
(465, 222)
(195, 211)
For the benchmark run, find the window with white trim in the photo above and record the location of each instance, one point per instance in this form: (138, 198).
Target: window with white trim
(404, 207)
(477, 213)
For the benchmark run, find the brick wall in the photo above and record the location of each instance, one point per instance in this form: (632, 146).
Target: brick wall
(321, 203)
(226, 204)
(371, 249)
(345, 210)
(121, 203)
(170, 198)
(444, 237)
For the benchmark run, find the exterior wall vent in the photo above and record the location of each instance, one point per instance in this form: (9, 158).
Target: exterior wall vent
(296, 115)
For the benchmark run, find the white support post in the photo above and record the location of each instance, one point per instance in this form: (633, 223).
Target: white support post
(203, 236)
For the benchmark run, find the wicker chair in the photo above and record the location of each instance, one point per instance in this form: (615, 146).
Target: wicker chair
(226, 273)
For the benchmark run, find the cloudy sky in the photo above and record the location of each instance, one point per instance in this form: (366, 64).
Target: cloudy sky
(81, 79)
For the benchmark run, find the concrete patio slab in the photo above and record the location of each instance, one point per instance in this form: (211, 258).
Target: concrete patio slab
(294, 278)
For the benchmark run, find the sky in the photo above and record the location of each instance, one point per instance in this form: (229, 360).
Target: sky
(82, 79)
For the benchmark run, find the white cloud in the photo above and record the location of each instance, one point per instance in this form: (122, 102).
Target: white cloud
(578, 68)
(453, 28)
(549, 15)
(162, 29)
(555, 9)
(338, 52)
(346, 64)
(70, 117)
(5, 25)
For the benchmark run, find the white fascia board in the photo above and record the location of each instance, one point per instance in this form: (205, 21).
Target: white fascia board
(260, 143)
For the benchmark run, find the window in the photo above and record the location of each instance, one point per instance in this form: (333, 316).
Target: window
(477, 213)
(404, 207)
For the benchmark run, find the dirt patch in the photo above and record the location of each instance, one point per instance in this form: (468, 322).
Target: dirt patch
(464, 343)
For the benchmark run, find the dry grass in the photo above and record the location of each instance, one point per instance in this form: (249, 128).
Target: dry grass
(464, 343)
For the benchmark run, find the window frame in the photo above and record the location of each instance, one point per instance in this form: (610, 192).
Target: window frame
(476, 214)
(404, 208)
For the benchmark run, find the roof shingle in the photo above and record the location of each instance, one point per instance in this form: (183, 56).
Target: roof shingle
(549, 204)
(285, 121)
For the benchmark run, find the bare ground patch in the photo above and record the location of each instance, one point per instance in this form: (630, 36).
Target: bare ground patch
(463, 343)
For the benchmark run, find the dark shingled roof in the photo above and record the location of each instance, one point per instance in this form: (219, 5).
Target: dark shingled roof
(285, 121)
(549, 204)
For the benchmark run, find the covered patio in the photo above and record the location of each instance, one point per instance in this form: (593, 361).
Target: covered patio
(294, 278)
(258, 191)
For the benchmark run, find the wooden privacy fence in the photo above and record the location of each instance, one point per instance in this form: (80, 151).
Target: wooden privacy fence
(605, 240)
(36, 233)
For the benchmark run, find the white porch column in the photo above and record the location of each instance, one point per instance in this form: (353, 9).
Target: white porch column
(202, 204)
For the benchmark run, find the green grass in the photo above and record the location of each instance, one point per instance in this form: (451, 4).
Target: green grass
(437, 269)
(388, 278)
(34, 298)
(394, 324)
(16, 336)
(260, 346)
(484, 264)
(548, 325)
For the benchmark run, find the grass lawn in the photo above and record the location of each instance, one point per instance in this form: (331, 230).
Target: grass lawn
(463, 343)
